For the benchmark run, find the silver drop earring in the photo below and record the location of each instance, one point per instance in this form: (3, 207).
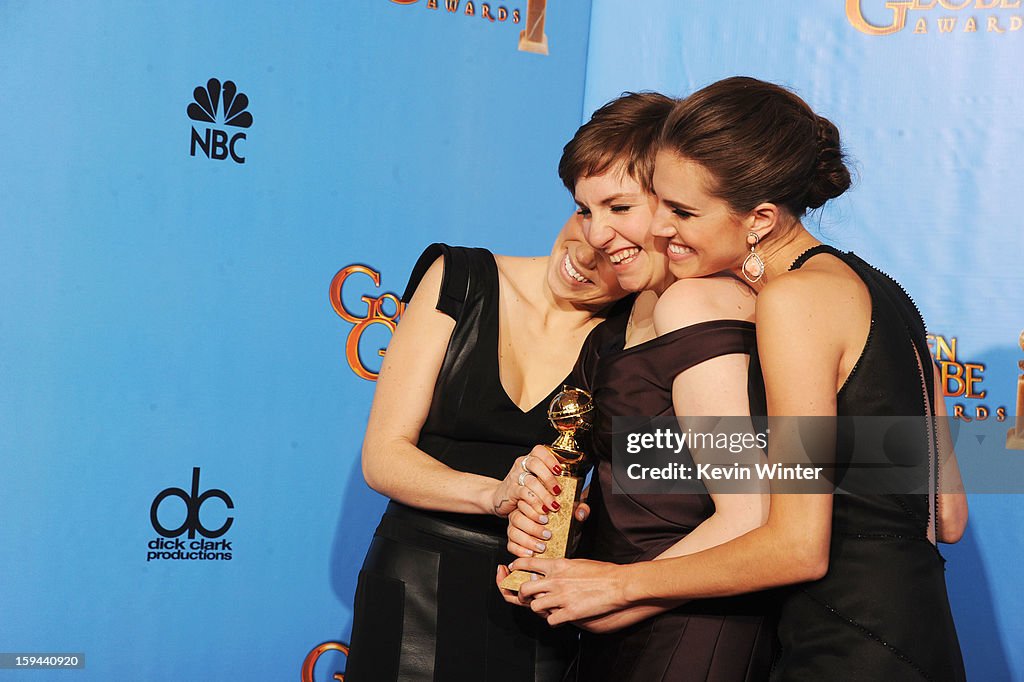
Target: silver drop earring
(753, 266)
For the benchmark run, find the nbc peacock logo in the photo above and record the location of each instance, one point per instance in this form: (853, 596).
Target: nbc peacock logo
(219, 104)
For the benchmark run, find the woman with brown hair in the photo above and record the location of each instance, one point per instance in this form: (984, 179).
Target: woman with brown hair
(457, 407)
(685, 351)
(483, 345)
(740, 163)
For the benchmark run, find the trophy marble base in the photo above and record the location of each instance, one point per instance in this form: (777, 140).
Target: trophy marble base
(535, 46)
(1014, 440)
(563, 526)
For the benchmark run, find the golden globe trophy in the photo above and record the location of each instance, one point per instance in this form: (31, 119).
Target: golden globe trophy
(570, 411)
(533, 38)
(1015, 436)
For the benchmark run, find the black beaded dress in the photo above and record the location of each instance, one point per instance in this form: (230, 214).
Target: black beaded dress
(881, 612)
(708, 640)
(426, 606)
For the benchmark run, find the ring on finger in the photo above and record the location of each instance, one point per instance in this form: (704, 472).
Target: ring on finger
(522, 477)
(522, 464)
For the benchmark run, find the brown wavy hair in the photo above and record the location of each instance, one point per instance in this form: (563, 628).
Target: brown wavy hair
(760, 143)
(624, 130)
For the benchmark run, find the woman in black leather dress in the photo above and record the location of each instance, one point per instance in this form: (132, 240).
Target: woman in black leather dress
(455, 409)
(740, 162)
(458, 403)
(484, 344)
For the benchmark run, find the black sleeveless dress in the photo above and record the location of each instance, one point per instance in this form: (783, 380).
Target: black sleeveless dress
(715, 640)
(426, 607)
(881, 612)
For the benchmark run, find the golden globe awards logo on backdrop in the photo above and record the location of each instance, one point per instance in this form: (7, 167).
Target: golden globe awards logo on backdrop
(531, 38)
(167, 520)
(222, 106)
(962, 380)
(383, 310)
(935, 16)
(309, 664)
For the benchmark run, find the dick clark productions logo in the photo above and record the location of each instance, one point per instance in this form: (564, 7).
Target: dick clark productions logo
(219, 104)
(170, 545)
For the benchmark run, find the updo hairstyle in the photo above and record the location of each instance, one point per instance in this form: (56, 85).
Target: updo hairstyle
(760, 143)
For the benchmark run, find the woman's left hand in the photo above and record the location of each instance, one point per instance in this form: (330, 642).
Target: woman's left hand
(532, 481)
(508, 595)
(572, 589)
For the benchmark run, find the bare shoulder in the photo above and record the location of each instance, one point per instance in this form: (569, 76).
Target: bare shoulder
(518, 272)
(514, 266)
(823, 299)
(692, 301)
(823, 287)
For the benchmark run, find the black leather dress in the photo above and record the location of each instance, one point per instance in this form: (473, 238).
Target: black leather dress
(426, 606)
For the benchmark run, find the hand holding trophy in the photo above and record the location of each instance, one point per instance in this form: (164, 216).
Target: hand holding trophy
(570, 412)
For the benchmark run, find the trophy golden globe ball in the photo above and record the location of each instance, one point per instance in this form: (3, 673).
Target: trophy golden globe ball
(570, 411)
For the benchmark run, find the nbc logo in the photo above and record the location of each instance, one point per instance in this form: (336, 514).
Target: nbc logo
(223, 102)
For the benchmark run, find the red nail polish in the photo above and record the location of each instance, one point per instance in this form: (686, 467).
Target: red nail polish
(557, 490)
(557, 469)
(545, 508)
(555, 505)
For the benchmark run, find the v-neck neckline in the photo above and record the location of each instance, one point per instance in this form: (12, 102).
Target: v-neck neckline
(496, 307)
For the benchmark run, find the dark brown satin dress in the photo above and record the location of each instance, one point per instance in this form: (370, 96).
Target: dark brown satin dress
(716, 640)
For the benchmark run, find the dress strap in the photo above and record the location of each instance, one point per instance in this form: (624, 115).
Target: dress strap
(814, 251)
(465, 270)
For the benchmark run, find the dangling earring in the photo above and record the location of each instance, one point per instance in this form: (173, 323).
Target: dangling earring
(753, 266)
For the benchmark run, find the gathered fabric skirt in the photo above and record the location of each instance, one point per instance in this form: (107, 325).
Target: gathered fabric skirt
(426, 608)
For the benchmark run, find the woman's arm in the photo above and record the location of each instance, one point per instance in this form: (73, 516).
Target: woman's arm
(800, 349)
(952, 501)
(714, 388)
(392, 464)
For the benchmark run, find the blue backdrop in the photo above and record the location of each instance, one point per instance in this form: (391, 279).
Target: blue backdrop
(163, 310)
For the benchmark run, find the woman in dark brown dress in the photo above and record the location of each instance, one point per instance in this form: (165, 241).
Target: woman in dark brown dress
(686, 351)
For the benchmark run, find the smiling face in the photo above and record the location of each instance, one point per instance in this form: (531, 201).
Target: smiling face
(704, 235)
(616, 213)
(577, 273)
